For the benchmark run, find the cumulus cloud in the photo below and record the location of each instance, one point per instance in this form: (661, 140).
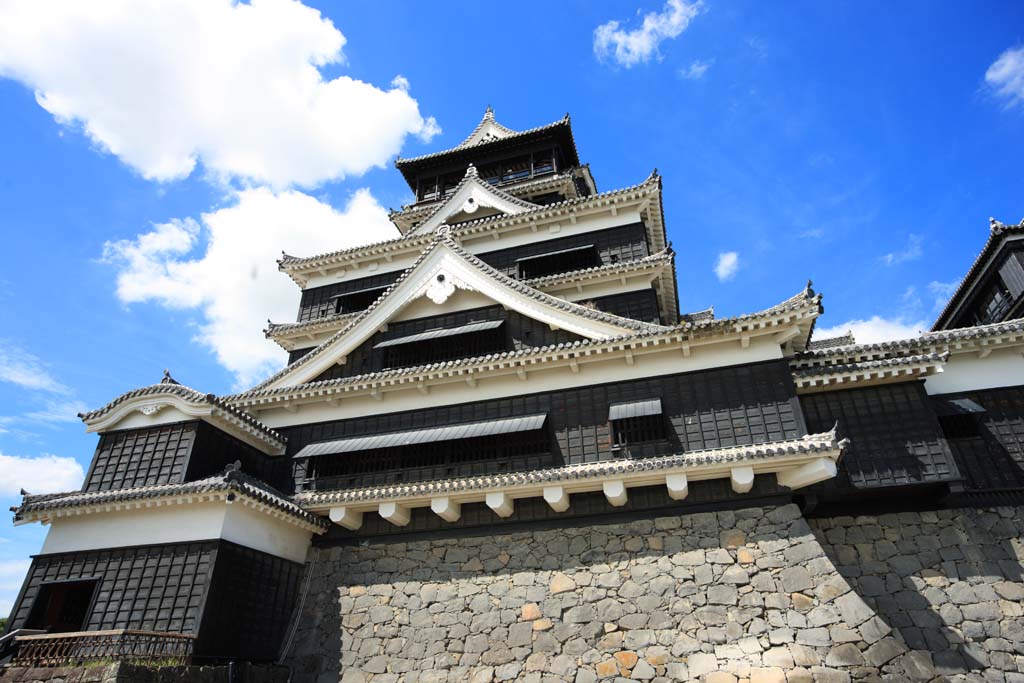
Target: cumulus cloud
(727, 265)
(874, 329)
(695, 71)
(224, 265)
(237, 87)
(1006, 76)
(41, 474)
(629, 48)
(911, 252)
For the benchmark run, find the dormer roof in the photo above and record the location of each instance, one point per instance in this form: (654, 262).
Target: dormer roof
(999, 233)
(442, 268)
(473, 198)
(156, 401)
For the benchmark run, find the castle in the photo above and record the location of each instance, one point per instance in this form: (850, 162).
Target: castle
(499, 451)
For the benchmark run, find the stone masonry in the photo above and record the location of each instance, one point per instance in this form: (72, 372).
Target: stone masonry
(757, 595)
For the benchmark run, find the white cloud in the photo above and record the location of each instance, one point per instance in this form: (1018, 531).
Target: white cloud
(911, 252)
(234, 281)
(942, 291)
(875, 329)
(727, 265)
(42, 474)
(1006, 76)
(696, 70)
(235, 86)
(629, 48)
(26, 370)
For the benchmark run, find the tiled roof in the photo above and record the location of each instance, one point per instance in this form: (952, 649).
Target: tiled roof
(899, 368)
(232, 480)
(832, 342)
(698, 316)
(938, 341)
(290, 263)
(826, 442)
(804, 302)
(462, 146)
(169, 387)
(660, 259)
(997, 231)
(473, 177)
(500, 277)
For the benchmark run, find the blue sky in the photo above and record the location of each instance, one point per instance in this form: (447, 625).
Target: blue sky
(156, 161)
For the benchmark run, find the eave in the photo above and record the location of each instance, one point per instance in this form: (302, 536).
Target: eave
(289, 336)
(815, 379)
(787, 322)
(795, 462)
(645, 196)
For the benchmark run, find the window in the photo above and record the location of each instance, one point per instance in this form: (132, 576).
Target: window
(994, 304)
(350, 302)
(561, 261)
(62, 607)
(636, 422)
(959, 426)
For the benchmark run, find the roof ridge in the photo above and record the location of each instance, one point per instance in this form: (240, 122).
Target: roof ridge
(399, 161)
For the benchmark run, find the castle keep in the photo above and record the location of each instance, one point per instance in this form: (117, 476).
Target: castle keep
(499, 451)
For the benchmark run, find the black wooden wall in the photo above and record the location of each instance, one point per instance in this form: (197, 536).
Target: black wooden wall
(175, 453)
(141, 457)
(155, 588)
(895, 435)
(707, 409)
(993, 457)
(250, 604)
(238, 601)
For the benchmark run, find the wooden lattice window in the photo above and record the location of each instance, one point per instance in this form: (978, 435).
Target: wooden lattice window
(636, 422)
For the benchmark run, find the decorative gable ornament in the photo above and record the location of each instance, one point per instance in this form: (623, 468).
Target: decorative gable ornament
(471, 198)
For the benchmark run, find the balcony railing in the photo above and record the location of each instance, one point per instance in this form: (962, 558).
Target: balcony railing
(82, 647)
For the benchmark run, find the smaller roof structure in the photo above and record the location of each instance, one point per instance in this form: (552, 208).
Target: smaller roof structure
(489, 134)
(999, 234)
(169, 393)
(46, 507)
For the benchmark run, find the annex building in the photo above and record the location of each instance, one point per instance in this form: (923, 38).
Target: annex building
(500, 452)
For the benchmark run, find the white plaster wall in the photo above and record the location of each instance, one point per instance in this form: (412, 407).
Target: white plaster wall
(968, 372)
(177, 524)
(545, 378)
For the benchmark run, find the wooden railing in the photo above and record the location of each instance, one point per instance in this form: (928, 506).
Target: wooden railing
(71, 649)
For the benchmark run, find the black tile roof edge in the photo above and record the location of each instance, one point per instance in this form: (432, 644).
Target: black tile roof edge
(896, 361)
(832, 342)
(804, 297)
(230, 480)
(189, 394)
(288, 262)
(665, 255)
(462, 146)
(926, 339)
(996, 232)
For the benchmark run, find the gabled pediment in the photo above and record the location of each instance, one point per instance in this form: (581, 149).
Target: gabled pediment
(473, 198)
(487, 130)
(441, 270)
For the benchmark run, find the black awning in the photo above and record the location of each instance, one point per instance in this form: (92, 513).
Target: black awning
(469, 430)
(441, 332)
(586, 247)
(367, 290)
(958, 406)
(622, 411)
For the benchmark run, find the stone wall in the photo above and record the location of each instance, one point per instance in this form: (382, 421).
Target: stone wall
(749, 595)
